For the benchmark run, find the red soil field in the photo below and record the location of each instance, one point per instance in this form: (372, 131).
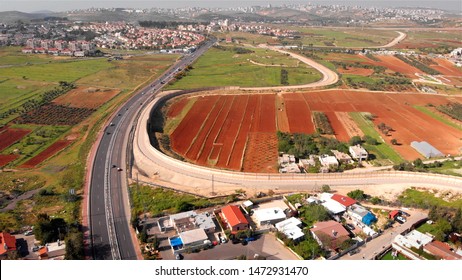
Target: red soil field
(339, 131)
(356, 71)
(446, 67)
(177, 107)
(9, 136)
(396, 65)
(185, 132)
(261, 153)
(298, 113)
(238, 132)
(47, 153)
(5, 159)
(82, 97)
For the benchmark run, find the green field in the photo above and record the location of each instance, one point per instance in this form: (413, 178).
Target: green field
(227, 68)
(434, 115)
(65, 170)
(425, 199)
(382, 151)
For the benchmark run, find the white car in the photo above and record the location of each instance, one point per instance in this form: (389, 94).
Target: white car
(223, 239)
(401, 219)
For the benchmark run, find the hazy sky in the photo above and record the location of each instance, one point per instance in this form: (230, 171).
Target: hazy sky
(62, 5)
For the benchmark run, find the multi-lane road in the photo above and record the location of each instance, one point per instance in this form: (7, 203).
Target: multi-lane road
(108, 206)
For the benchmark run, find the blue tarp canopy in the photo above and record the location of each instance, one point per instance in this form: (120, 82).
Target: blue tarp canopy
(175, 242)
(369, 218)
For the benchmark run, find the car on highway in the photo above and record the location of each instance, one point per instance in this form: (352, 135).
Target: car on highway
(119, 169)
(111, 124)
(114, 166)
(163, 82)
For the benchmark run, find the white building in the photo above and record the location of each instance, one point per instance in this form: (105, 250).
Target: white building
(193, 237)
(269, 216)
(291, 228)
(328, 161)
(357, 152)
(414, 239)
(331, 205)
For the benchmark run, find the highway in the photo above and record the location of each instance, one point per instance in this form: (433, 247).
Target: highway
(108, 205)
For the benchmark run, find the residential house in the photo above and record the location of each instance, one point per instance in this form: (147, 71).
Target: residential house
(342, 157)
(441, 250)
(329, 234)
(357, 152)
(7, 244)
(269, 216)
(328, 161)
(55, 250)
(361, 215)
(234, 218)
(307, 163)
(195, 237)
(334, 207)
(291, 228)
(344, 200)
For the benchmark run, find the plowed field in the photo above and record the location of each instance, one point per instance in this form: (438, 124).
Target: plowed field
(238, 132)
(47, 153)
(90, 98)
(446, 67)
(396, 65)
(356, 71)
(9, 136)
(5, 159)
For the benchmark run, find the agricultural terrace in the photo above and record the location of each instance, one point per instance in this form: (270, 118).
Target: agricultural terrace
(55, 147)
(233, 131)
(232, 65)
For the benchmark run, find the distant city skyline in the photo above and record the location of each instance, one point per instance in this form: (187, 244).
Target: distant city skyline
(64, 5)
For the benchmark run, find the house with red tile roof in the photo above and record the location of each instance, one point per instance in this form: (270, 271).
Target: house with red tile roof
(344, 200)
(329, 234)
(234, 218)
(7, 244)
(441, 250)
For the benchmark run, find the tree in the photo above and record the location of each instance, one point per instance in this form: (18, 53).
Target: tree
(442, 229)
(394, 141)
(370, 140)
(357, 194)
(74, 246)
(355, 140)
(418, 163)
(325, 188)
(49, 230)
(457, 221)
(183, 206)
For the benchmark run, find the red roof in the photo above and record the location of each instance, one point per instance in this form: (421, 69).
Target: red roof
(233, 215)
(344, 200)
(8, 240)
(394, 213)
(441, 250)
(330, 233)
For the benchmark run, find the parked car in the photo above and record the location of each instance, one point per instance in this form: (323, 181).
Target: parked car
(244, 242)
(400, 219)
(350, 226)
(404, 213)
(29, 232)
(119, 169)
(248, 239)
(223, 239)
(178, 256)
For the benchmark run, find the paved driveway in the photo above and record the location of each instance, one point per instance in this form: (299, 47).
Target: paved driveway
(266, 246)
(375, 246)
